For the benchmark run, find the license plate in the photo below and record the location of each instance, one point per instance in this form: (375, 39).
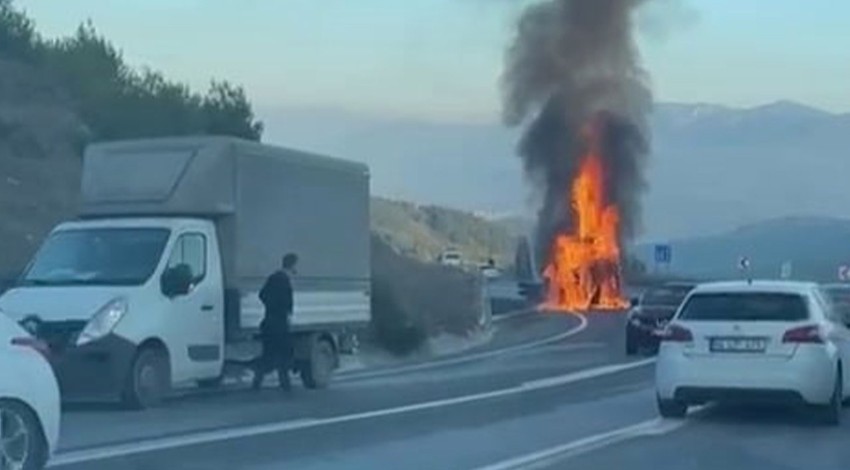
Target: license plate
(738, 344)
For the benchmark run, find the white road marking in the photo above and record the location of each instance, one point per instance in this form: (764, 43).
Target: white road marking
(548, 457)
(550, 382)
(206, 437)
(471, 357)
(519, 313)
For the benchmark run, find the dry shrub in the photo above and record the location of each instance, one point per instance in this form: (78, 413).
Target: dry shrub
(412, 300)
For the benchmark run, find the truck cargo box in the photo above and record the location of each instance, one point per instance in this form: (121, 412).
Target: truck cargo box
(264, 200)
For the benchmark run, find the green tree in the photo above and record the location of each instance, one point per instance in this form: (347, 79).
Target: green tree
(116, 101)
(228, 111)
(94, 73)
(159, 107)
(18, 38)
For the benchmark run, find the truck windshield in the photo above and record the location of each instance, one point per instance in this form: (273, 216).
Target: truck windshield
(103, 256)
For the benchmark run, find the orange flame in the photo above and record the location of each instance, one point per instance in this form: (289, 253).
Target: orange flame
(584, 267)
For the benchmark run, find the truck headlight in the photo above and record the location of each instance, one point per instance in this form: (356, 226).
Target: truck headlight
(103, 322)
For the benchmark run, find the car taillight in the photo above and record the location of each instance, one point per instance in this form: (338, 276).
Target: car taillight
(676, 334)
(803, 334)
(33, 343)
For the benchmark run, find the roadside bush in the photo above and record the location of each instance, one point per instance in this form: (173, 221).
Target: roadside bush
(395, 325)
(412, 301)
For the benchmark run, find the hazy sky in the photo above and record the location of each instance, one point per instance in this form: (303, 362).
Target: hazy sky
(441, 59)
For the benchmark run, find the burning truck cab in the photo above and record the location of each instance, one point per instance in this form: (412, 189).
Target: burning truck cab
(584, 269)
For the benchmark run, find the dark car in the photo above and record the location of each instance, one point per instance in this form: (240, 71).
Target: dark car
(839, 296)
(650, 313)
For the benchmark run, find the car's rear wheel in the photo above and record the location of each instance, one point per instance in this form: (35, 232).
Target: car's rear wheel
(22, 443)
(672, 408)
(830, 414)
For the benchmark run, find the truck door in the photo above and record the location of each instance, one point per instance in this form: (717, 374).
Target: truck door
(197, 322)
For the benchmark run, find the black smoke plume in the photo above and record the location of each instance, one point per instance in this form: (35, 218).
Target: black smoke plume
(571, 63)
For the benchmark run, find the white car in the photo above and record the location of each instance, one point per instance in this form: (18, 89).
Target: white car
(451, 258)
(490, 271)
(29, 400)
(762, 342)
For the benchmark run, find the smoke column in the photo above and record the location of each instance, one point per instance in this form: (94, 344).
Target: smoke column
(573, 62)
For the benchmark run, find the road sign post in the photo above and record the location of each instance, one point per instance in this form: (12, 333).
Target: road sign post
(744, 266)
(663, 255)
(786, 270)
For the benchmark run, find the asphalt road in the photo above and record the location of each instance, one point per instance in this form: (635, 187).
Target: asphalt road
(568, 398)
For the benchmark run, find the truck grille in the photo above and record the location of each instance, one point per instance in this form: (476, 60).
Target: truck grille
(60, 335)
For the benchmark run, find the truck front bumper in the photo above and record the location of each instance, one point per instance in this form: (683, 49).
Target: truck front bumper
(96, 371)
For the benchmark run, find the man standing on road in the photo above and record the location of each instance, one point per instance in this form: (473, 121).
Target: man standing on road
(277, 299)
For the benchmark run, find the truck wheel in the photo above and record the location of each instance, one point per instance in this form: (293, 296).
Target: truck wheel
(148, 381)
(22, 443)
(316, 372)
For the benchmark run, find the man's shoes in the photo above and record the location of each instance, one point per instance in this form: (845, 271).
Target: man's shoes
(257, 383)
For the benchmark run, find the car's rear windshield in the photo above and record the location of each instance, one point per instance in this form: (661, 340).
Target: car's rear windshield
(745, 306)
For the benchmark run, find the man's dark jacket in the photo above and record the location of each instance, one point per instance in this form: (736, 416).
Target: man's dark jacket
(276, 296)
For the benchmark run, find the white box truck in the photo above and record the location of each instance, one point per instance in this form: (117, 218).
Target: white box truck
(99, 289)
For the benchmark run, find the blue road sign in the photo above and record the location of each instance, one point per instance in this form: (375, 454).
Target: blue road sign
(663, 254)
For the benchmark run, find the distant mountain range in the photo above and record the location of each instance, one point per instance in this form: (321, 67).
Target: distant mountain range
(713, 167)
(815, 247)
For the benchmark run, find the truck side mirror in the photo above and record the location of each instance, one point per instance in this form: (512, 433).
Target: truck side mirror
(176, 281)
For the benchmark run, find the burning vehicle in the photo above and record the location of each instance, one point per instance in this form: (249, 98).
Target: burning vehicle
(574, 80)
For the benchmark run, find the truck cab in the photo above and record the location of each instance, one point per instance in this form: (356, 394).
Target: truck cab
(102, 294)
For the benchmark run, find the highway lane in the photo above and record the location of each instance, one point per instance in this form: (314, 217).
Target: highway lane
(722, 438)
(458, 411)
(95, 425)
(572, 404)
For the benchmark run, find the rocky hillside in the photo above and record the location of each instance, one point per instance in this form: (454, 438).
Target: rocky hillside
(423, 232)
